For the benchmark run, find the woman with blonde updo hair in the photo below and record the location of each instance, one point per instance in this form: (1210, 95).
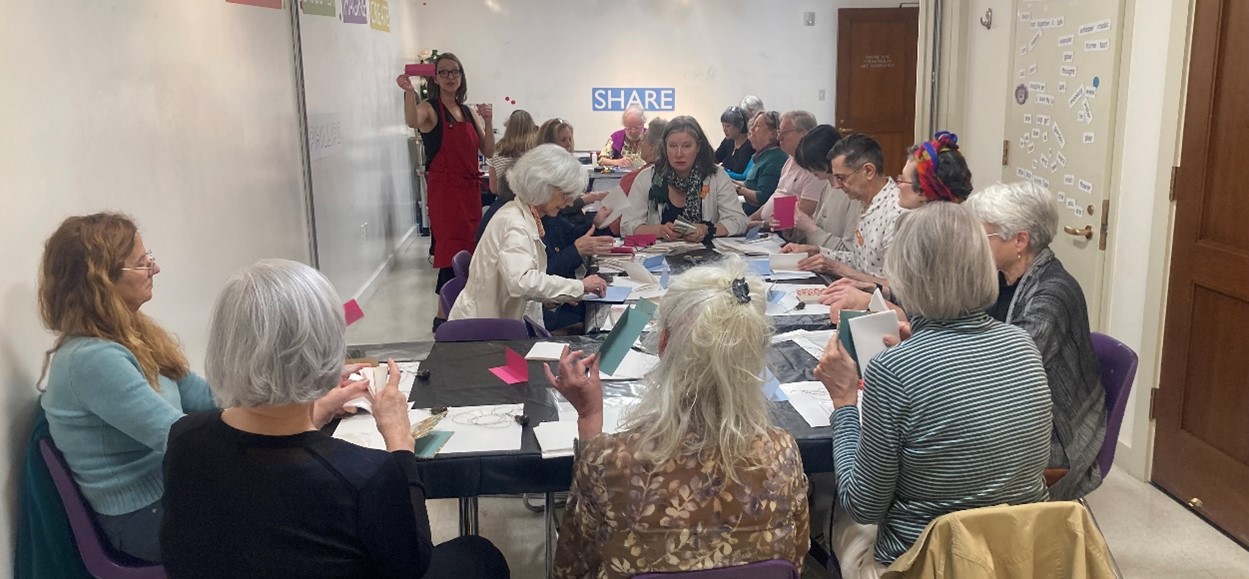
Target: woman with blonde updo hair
(700, 442)
(116, 380)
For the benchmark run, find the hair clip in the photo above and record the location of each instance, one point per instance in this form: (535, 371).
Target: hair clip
(741, 291)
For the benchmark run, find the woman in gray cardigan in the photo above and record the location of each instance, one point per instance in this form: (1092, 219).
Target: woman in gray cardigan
(1038, 295)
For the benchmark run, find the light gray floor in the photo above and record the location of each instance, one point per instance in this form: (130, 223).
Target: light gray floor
(1151, 535)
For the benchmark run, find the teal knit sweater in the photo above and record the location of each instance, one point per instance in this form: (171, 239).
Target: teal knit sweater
(111, 425)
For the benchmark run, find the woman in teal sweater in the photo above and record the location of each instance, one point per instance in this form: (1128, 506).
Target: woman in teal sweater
(764, 172)
(116, 380)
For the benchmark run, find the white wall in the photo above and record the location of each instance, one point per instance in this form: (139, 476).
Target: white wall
(1147, 137)
(179, 113)
(363, 192)
(549, 54)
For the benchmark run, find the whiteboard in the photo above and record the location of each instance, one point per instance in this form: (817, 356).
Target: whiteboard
(1060, 119)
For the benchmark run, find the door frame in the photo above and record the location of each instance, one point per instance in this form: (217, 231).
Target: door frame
(1138, 320)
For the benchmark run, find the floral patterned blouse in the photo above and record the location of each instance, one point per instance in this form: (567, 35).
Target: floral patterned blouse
(626, 516)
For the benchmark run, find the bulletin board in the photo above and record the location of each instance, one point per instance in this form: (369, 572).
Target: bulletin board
(1060, 120)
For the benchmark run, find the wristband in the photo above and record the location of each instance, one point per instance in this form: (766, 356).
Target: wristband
(711, 231)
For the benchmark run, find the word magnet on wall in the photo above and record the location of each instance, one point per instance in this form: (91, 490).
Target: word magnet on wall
(619, 99)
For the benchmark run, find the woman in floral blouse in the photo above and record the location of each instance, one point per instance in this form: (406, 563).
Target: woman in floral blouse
(698, 477)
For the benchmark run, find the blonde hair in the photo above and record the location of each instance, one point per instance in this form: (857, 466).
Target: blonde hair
(549, 131)
(939, 263)
(705, 396)
(520, 135)
(81, 264)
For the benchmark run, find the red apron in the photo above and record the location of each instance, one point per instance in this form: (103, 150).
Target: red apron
(454, 189)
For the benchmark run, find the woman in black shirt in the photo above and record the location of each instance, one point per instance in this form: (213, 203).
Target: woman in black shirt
(257, 490)
(735, 150)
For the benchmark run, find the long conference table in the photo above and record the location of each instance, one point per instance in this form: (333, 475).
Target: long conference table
(459, 375)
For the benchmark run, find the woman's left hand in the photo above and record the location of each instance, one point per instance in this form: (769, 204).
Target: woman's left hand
(578, 381)
(839, 374)
(327, 407)
(486, 110)
(699, 233)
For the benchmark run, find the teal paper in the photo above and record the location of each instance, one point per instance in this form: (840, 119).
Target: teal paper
(843, 332)
(429, 445)
(625, 332)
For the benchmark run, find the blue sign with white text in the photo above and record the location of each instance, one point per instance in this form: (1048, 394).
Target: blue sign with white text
(618, 99)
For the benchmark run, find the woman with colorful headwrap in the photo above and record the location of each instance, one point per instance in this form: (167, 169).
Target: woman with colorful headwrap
(935, 171)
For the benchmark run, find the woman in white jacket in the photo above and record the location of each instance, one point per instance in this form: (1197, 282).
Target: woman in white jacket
(507, 277)
(686, 171)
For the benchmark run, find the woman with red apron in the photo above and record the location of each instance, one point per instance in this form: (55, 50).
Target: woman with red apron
(452, 137)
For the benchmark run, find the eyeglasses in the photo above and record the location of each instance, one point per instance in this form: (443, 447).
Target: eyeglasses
(995, 234)
(785, 131)
(450, 72)
(899, 180)
(151, 264)
(842, 178)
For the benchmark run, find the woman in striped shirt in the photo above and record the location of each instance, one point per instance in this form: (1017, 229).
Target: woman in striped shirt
(956, 417)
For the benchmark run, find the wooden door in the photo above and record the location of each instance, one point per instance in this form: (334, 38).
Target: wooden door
(1060, 124)
(876, 78)
(1201, 451)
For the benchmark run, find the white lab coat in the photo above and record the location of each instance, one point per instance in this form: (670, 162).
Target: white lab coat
(507, 277)
(720, 206)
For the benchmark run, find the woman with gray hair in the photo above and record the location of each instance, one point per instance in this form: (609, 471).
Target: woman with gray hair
(257, 490)
(1037, 294)
(946, 425)
(508, 275)
(698, 477)
(623, 147)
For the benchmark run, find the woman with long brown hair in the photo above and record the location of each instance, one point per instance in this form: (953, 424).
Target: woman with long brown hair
(116, 380)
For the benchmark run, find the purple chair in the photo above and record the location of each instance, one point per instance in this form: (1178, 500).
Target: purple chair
(459, 263)
(449, 292)
(481, 330)
(1118, 369)
(100, 558)
(773, 569)
(536, 329)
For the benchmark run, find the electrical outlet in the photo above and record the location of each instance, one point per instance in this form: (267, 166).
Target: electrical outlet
(808, 18)
(821, 94)
(364, 231)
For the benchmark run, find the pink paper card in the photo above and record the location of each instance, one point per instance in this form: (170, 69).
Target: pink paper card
(783, 209)
(419, 70)
(515, 371)
(640, 240)
(352, 311)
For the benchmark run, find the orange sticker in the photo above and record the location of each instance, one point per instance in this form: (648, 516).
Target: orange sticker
(706, 188)
(858, 236)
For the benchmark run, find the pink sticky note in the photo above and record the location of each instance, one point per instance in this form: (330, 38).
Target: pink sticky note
(783, 210)
(353, 312)
(640, 240)
(515, 371)
(419, 70)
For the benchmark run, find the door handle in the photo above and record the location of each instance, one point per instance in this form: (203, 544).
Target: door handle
(1085, 232)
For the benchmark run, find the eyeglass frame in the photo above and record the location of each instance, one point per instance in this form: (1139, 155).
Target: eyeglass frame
(149, 268)
(449, 72)
(842, 178)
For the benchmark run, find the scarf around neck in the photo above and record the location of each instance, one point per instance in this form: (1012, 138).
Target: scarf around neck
(691, 186)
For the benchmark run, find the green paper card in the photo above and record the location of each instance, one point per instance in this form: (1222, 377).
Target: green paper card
(624, 334)
(427, 446)
(843, 331)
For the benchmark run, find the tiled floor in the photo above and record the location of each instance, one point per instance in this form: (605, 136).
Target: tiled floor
(1151, 535)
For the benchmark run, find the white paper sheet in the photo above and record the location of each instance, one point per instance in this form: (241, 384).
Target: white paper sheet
(555, 438)
(811, 400)
(546, 351)
(786, 262)
(634, 365)
(868, 333)
(784, 306)
(637, 272)
(503, 434)
(407, 377)
(617, 201)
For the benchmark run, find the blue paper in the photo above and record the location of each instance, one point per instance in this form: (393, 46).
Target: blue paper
(663, 279)
(624, 334)
(759, 267)
(772, 387)
(753, 233)
(655, 264)
(615, 295)
(775, 296)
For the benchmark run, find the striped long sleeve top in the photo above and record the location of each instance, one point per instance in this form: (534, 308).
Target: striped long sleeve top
(956, 417)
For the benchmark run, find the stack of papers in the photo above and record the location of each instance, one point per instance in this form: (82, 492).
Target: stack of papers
(813, 342)
(376, 376)
(811, 400)
(760, 247)
(473, 428)
(556, 438)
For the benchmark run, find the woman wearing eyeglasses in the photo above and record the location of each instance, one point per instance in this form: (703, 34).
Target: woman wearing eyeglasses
(735, 150)
(769, 159)
(116, 380)
(453, 134)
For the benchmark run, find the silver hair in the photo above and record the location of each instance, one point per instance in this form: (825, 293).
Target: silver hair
(1015, 207)
(753, 105)
(655, 132)
(939, 263)
(544, 168)
(802, 120)
(633, 110)
(276, 336)
(705, 396)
